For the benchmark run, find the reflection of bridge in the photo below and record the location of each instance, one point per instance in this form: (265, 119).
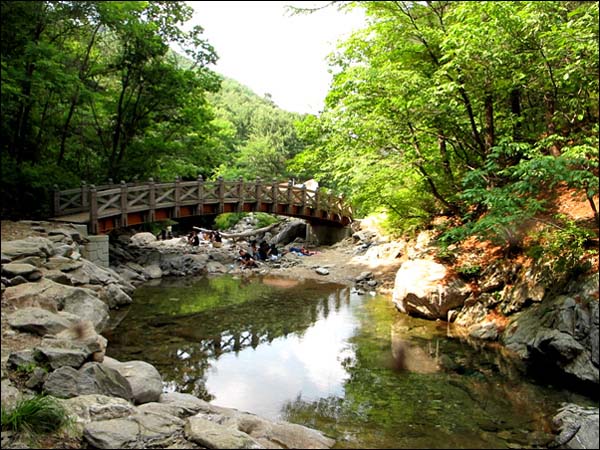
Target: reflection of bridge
(182, 347)
(215, 333)
(106, 207)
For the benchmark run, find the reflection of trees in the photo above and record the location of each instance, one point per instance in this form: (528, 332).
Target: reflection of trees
(182, 346)
(478, 390)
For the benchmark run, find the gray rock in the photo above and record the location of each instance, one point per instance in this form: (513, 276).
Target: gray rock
(322, 271)
(114, 296)
(142, 239)
(62, 263)
(92, 378)
(63, 383)
(187, 403)
(31, 246)
(37, 378)
(144, 379)
(153, 271)
(58, 357)
(40, 321)
(578, 427)
(141, 430)
(114, 433)
(15, 269)
(10, 395)
(213, 435)
(94, 407)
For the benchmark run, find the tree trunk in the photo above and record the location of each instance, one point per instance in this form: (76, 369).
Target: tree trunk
(489, 122)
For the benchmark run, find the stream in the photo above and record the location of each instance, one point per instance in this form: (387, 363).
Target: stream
(320, 355)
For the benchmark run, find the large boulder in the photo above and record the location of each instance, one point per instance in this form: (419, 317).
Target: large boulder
(145, 381)
(31, 246)
(41, 321)
(289, 232)
(424, 288)
(91, 378)
(53, 296)
(560, 333)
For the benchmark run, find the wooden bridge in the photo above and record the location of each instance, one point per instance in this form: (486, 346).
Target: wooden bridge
(111, 206)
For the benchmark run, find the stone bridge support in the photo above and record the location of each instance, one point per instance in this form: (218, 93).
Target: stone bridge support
(96, 250)
(318, 234)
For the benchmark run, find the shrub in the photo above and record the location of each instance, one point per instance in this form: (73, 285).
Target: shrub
(227, 220)
(564, 247)
(39, 414)
(264, 219)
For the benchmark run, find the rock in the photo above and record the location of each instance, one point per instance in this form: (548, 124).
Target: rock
(31, 246)
(91, 378)
(59, 357)
(16, 269)
(153, 271)
(40, 321)
(140, 430)
(186, 403)
(364, 276)
(322, 271)
(62, 263)
(141, 239)
(215, 267)
(212, 435)
(558, 333)
(293, 229)
(578, 427)
(93, 407)
(144, 379)
(37, 378)
(52, 296)
(114, 296)
(423, 289)
(10, 395)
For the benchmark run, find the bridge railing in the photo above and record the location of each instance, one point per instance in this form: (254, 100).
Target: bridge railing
(120, 199)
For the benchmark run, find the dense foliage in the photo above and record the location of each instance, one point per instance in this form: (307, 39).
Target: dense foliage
(117, 90)
(477, 110)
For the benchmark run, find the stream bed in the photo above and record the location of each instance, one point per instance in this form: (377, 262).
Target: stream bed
(320, 355)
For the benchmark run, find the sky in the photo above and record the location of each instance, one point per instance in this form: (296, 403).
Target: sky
(262, 46)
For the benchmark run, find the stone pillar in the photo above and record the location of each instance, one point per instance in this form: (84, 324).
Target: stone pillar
(96, 250)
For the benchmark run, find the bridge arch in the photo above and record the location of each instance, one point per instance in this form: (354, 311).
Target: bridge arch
(106, 207)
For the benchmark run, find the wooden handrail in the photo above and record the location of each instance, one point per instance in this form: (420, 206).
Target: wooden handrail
(117, 200)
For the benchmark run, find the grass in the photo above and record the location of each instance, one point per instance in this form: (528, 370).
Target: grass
(39, 414)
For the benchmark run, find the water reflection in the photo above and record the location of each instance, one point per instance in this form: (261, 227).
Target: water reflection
(316, 354)
(267, 333)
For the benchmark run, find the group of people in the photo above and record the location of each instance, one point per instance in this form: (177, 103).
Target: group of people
(214, 237)
(258, 252)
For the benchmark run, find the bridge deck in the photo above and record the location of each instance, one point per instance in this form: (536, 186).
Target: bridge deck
(83, 217)
(112, 206)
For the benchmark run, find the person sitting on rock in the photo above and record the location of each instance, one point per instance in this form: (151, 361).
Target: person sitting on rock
(263, 250)
(246, 259)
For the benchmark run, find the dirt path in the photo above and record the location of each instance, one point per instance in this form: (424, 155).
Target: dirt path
(344, 266)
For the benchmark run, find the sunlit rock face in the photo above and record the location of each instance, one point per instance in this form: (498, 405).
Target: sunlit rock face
(423, 288)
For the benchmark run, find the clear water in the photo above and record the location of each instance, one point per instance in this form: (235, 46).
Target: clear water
(322, 356)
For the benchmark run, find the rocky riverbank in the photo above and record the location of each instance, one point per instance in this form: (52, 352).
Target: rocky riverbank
(55, 305)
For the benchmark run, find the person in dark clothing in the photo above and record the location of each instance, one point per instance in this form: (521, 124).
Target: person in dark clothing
(246, 259)
(263, 250)
(195, 240)
(217, 239)
(273, 253)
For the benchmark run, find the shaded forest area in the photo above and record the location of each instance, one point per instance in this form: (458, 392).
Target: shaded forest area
(482, 113)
